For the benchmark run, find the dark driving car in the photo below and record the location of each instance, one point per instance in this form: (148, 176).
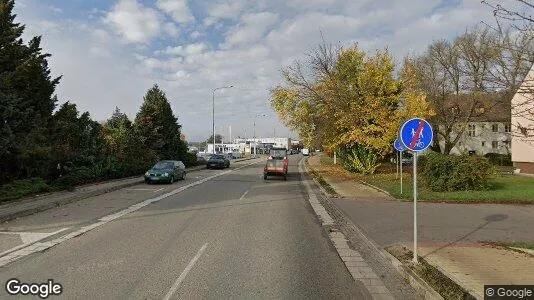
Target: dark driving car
(218, 161)
(166, 171)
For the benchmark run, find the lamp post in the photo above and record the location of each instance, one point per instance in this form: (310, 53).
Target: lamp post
(213, 110)
(255, 147)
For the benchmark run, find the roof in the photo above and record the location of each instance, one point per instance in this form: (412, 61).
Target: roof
(489, 107)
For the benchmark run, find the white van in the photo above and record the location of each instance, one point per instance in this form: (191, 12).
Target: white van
(305, 151)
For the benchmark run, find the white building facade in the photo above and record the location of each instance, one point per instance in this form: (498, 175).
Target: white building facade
(484, 138)
(523, 126)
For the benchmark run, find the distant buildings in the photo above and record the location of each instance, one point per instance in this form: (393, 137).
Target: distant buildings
(247, 145)
(489, 132)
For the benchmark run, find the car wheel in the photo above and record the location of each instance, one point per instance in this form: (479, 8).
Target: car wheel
(285, 177)
(147, 181)
(264, 176)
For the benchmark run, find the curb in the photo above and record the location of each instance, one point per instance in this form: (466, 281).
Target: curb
(74, 198)
(323, 190)
(377, 188)
(413, 279)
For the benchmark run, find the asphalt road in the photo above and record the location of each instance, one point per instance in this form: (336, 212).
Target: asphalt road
(232, 236)
(390, 222)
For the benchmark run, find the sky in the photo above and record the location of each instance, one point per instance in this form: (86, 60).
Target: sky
(110, 52)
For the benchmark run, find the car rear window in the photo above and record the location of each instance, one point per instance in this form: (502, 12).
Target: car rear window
(278, 153)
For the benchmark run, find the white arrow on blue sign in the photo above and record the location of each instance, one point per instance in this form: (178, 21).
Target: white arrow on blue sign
(398, 146)
(416, 135)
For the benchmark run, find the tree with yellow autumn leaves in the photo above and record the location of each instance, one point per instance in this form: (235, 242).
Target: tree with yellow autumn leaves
(346, 100)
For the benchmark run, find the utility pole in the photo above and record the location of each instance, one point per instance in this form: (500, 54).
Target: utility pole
(213, 111)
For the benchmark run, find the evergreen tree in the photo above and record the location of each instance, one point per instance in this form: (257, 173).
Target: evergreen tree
(26, 100)
(158, 128)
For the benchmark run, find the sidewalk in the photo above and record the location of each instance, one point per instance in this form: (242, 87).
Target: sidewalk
(451, 236)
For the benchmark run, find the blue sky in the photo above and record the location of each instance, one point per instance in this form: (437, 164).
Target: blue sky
(111, 51)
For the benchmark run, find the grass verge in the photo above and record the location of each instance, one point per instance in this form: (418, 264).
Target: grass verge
(524, 245)
(442, 284)
(23, 188)
(503, 189)
(322, 182)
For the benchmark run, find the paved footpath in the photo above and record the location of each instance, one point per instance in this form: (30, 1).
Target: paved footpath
(451, 236)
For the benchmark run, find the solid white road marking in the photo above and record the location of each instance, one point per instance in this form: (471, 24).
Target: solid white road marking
(29, 238)
(184, 273)
(140, 189)
(158, 190)
(243, 196)
(13, 256)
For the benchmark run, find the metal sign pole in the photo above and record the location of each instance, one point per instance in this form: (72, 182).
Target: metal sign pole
(401, 169)
(397, 165)
(415, 207)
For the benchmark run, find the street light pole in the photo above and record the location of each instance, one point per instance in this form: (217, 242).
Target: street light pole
(213, 111)
(255, 146)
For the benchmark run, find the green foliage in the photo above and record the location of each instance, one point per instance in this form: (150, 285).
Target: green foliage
(34, 141)
(26, 101)
(497, 159)
(158, 128)
(358, 159)
(456, 173)
(21, 188)
(218, 139)
(190, 159)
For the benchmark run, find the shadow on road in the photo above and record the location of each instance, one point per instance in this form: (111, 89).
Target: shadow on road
(489, 219)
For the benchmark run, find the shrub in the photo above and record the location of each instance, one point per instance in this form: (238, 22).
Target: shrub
(497, 159)
(190, 159)
(20, 188)
(358, 159)
(456, 173)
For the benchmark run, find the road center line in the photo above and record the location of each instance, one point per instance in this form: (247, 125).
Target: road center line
(158, 190)
(244, 194)
(184, 273)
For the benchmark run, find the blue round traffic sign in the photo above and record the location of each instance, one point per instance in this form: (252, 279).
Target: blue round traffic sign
(416, 135)
(398, 146)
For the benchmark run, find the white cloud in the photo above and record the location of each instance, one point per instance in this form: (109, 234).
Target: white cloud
(239, 42)
(190, 49)
(252, 28)
(178, 9)
(195, 34)
(171, 29)
(134, 22)
(227, 9)
(56, 10)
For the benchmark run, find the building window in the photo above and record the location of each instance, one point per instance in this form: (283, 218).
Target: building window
(471, 130)
(495, 127)
(483, 143)
(506, 127)
(494, 144)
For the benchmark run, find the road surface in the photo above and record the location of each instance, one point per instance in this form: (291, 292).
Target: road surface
(230, 236)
